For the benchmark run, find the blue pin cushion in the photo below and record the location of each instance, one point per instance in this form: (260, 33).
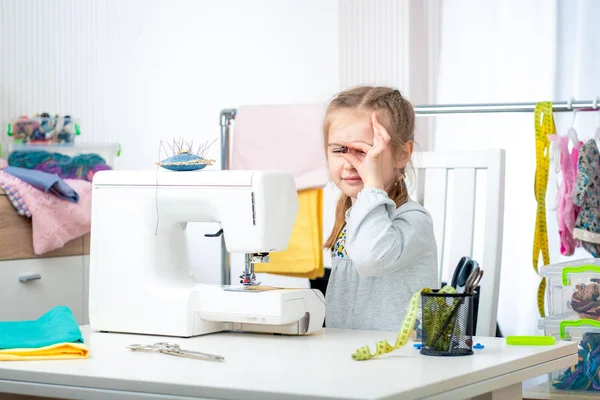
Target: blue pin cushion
(184, 161)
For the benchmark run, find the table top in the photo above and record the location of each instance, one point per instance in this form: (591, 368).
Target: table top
(271, 366)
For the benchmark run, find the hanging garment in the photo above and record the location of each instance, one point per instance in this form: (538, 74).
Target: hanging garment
(303, 257)
(587, 196)
(261, 141)
(262, 137)
(571, 217)
(566, 211)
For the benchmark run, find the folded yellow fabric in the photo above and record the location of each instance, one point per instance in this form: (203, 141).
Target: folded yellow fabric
(304, 254)
(58, 351)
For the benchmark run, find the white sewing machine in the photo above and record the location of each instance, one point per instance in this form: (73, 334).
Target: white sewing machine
(140, 276)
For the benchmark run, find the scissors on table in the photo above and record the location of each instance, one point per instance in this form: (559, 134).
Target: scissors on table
(473, 280)
(462, 273)
(174, 350)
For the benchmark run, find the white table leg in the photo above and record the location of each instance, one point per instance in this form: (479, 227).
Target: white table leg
(512, 392)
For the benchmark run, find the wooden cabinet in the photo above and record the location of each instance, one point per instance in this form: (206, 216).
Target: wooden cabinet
(30, 285)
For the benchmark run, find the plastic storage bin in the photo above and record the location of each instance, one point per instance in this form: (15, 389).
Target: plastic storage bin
(573, 287)
(43, 129)
(71, 161)
(585, 375)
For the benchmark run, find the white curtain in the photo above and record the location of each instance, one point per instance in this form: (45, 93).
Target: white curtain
(491, 52)
(577, 76)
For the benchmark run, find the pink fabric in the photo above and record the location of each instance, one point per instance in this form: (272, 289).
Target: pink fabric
(3, 163)
(282, 137)
(572, 210)
(566, 210)
(54, 221)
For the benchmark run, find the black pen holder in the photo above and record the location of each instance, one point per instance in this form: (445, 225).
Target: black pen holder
(447, 324)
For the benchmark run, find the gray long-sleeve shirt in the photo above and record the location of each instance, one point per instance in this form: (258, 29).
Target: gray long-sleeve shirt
(390, 254)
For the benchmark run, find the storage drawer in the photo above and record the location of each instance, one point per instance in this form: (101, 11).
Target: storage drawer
(30, 288)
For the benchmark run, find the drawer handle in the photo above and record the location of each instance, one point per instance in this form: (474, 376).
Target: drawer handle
(30, 277)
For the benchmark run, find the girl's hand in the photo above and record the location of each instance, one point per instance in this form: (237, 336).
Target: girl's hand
(370, 168)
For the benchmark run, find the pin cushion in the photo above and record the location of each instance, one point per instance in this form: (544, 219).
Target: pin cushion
(184, 161)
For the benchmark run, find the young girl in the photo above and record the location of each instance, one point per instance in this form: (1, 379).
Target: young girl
(382, 242)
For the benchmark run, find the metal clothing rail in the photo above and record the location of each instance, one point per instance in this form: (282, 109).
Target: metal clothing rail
(228, 115)
(565, 106)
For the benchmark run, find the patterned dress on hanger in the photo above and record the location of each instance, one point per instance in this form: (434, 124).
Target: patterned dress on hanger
(587, 196)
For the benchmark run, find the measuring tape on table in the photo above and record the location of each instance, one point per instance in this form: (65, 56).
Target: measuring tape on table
(544, 126)
(408, 326)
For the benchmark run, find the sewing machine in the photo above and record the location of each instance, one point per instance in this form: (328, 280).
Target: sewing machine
(140, 275)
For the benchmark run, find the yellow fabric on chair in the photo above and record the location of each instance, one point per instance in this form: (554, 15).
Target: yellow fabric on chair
(58, 351)
(303, 257)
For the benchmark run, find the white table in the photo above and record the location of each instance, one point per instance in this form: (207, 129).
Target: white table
(278, 367)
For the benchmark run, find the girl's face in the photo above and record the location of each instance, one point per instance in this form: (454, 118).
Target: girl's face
(349, 127)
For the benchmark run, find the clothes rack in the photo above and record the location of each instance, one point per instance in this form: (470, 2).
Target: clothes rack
(228, 115)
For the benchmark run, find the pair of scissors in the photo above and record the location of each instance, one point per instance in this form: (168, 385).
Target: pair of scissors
(462, 272)
(174, 350)
(473, 280)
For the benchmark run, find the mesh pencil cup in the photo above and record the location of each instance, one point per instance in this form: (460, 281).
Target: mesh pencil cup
(447, 324)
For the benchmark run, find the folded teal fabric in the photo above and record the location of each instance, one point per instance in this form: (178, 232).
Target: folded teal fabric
(56, 326)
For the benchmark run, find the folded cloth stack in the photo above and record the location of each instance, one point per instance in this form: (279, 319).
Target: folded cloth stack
(54, 336)
(54, 221)
(49, 183)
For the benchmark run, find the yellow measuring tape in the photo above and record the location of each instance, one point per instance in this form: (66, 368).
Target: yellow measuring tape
(408, 325)
(544, 126)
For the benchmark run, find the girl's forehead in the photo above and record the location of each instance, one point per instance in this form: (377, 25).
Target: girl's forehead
(350, 127)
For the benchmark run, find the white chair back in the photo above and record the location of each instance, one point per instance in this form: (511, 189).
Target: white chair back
(464, 193)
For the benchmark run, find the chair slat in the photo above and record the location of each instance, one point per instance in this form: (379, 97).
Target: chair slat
(436, 184)
(463, 216)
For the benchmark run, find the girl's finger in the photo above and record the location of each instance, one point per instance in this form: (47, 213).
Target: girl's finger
(352, 159)
(379, 143)
(380, 129)
(359, 146)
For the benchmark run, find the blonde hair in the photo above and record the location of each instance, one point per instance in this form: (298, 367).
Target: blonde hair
(395, 113)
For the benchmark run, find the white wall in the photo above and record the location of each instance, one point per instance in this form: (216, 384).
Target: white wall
(494, 52)
(138, 71)
(392, 43)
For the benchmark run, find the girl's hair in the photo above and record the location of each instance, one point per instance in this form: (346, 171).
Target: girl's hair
(395, 113)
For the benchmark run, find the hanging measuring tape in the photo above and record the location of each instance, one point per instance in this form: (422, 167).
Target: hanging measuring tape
(408, 326)
(544, 126)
